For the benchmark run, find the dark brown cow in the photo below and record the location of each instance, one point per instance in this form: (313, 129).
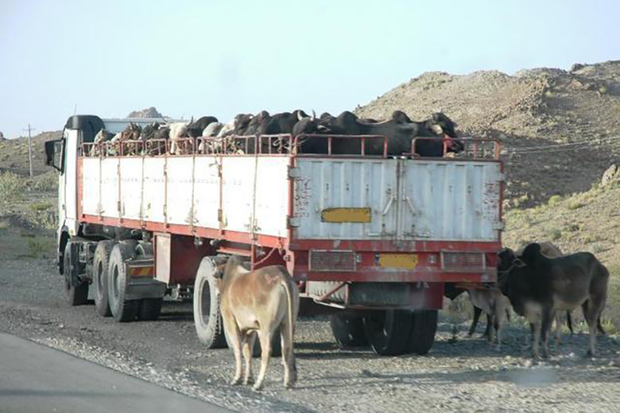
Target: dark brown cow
(262, 302)
(538, 286)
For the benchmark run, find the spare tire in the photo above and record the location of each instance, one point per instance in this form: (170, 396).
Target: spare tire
(207, 317)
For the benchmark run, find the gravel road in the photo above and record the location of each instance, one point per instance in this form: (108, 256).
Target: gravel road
(459, 374)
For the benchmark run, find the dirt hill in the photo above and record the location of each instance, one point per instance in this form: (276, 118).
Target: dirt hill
(14, 153)
(538, 109)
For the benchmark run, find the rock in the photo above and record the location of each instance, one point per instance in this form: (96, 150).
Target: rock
(576, 66)
(145, 113)
(610, 175)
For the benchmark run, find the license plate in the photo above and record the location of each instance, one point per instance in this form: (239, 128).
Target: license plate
(405, 261)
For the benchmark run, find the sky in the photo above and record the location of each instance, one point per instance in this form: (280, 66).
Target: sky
(194, 58)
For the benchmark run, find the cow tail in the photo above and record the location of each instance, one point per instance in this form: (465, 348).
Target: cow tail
(289, 297)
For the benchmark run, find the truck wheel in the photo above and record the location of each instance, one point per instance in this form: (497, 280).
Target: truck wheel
(150, 309)
(348, 330)
(207, 317)
(74, 295)
(423, 328)
(101, 262)
(388, 331)
(122, 309)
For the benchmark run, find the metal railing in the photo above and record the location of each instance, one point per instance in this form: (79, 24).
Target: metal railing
(285, 144)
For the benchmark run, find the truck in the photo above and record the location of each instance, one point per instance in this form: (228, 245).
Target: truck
(374, 238)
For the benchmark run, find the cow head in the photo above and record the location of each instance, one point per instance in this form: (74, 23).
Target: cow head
(531, 253)
(443, 126)
(400, 117)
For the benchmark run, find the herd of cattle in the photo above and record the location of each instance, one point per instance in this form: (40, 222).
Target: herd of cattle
(437, 135)
(538, 281)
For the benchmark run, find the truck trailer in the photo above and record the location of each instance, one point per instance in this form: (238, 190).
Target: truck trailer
(375, 237)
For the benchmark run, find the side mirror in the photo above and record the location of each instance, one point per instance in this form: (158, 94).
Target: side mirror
(54, 151)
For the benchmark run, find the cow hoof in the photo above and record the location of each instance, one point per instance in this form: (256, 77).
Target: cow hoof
(247, 381)
(590, 354)
(235, 381)
(257, 387)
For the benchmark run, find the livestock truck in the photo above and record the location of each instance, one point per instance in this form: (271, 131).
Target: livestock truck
(375, 237)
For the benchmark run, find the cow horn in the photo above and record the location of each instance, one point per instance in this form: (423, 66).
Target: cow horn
(191, 120)
(299, 117)
(313, 115)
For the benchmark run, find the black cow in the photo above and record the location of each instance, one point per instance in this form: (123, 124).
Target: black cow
(399, 130)
(194, 129)
(538, 287)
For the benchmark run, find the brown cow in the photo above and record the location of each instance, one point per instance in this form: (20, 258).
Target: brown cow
(260, 301)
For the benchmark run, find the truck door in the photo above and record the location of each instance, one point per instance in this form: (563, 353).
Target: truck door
(446, 200)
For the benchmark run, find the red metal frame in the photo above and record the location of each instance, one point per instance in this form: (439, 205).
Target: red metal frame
(293, 253)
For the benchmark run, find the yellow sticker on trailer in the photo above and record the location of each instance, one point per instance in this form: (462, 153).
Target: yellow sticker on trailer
(358, 215)
(405, 261)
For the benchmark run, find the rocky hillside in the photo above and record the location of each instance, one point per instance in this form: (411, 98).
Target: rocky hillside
(561, 128)
(14, 154)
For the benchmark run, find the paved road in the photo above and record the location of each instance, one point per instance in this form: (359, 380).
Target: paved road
(35, 378)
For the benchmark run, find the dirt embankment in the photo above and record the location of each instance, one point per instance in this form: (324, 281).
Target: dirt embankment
(561, 128)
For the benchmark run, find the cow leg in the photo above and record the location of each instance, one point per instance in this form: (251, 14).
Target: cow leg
(265, 343)
(288, 356)
(547, 319)
(234, 336)
(474, 322)
(592, 312)
(535, 327)
(488, 332)
(557, 318)
(248, 346)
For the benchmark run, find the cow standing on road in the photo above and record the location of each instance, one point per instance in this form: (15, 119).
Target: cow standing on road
(538, 286)
(262, 302)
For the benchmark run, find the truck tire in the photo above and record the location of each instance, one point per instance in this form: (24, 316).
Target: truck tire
(123, 310)
(101, 262)
(423, 328)
(388, 331)
(75, 295)
(348, 330)
(207, 317)
(150, 309)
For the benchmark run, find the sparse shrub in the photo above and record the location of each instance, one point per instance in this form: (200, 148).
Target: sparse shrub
(597, 248)
(41, 206)
(554, 200)
(37, 248)
(11, 187)
(576, 205)
(573, 227)
(602, 90)
(554, 234)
